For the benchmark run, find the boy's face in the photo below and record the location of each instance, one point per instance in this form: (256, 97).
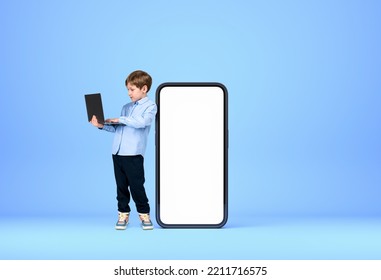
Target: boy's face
(136, 93)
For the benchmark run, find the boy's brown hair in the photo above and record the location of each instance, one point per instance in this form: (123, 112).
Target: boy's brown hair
(139, 79)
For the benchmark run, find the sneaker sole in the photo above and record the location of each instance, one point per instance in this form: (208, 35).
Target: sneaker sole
(121, 227)
(147, 227)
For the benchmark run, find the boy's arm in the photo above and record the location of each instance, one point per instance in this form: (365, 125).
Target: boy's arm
(94, 122)
(140, 121)
(109, 128)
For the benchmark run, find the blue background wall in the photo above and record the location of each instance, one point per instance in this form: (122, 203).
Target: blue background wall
(304, 91)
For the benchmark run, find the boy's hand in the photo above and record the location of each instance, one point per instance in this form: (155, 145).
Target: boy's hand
(116, 120)
(94, 122)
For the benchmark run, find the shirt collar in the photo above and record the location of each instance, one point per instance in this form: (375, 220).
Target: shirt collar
(142, 101)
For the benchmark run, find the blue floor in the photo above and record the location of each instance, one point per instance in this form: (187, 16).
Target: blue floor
(248, 238)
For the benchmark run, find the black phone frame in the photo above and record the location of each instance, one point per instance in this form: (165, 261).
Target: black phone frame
(226, 148)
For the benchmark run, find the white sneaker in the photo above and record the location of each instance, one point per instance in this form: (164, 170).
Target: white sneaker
(146, 221)
(122, 220)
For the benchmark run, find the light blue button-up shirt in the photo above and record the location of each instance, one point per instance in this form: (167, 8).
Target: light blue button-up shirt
(131, 136)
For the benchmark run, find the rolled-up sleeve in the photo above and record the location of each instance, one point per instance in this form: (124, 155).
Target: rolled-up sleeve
(109, 128)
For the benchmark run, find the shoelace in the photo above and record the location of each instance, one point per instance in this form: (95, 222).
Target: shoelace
(144, 218)
(123, 217)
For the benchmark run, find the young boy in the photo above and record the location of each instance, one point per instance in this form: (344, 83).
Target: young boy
(131, 130)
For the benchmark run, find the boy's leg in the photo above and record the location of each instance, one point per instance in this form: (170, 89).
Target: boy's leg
(135, 175)
(123, 194)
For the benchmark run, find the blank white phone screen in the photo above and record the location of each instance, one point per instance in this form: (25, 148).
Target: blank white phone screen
(191, 155)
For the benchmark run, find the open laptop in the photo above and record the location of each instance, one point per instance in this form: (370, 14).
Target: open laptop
(94, 107)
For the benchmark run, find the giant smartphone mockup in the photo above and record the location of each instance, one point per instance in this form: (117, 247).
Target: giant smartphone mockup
(192, 155)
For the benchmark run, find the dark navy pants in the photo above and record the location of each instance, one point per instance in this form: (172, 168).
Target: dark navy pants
(129, 177)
